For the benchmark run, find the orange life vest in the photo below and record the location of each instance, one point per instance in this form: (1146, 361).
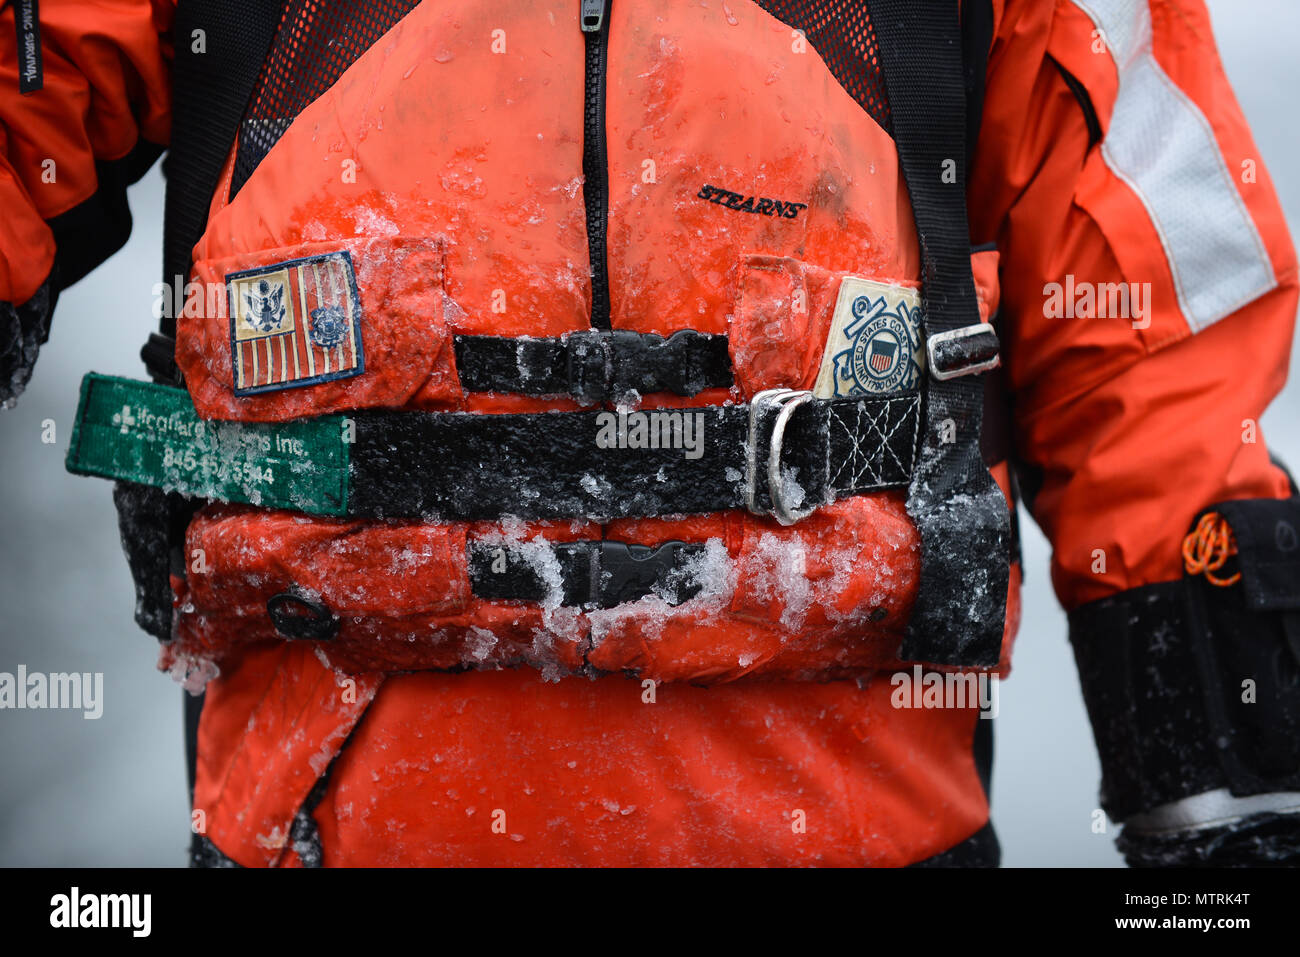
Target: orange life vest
(462, 213)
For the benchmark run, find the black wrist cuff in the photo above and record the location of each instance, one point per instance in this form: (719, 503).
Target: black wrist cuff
(1192, 686)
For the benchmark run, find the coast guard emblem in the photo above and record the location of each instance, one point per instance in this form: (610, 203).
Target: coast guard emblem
(874, 344)
(295, 323)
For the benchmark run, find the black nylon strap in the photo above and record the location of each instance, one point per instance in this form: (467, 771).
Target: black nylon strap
(957, 507)
(593, 365)
(219, 52)
(468, 467)
(219, 49)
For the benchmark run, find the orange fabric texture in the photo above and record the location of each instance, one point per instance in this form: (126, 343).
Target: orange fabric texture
(746, 774)
(265, 739)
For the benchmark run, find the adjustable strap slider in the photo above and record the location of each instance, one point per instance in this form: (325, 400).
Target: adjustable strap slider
(629, 572)
(961, 352)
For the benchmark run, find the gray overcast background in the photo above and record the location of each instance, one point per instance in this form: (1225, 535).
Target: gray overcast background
(112, 791)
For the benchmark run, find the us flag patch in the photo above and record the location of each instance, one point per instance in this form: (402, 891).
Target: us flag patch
(295, 323)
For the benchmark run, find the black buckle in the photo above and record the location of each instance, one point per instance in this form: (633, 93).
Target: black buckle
(686, 363)
(623, 573)
(604, 366)
(965, 351)
(594, 574)
(589, 358)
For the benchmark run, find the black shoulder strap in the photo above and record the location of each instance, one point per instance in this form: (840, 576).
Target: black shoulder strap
(219, 52)
(957, 506)
(220, 48)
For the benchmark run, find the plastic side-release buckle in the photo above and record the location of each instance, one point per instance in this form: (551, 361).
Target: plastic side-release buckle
(686, 363)
(593, 574)
(603, 366)
(765, 487)
(589, 357)
(624, 573)
(965, 351)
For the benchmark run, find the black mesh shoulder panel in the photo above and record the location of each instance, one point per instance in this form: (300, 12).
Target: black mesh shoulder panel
(841, 33)
(316, 41)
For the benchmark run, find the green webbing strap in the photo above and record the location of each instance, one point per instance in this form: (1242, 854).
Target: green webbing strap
(150, 434)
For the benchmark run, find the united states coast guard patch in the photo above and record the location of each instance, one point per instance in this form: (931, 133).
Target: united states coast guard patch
(295, 323)
(874, 345)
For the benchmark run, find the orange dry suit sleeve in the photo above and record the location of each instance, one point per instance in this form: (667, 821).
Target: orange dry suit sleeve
(84, 111)
(1149, 296)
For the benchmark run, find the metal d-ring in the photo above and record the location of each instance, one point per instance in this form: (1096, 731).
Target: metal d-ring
(760, 401)
(776, 488)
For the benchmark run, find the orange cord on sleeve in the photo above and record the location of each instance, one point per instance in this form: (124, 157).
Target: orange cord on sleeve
(1208, 547)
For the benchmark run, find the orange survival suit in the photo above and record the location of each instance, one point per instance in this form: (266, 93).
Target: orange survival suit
(428, 208)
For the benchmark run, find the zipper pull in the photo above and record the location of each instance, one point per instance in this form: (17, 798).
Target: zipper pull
(593, 15)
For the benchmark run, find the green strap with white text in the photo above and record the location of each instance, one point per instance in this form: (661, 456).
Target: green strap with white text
(150, 434)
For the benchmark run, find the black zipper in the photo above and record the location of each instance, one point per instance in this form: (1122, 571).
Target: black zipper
(1085, 102)
(595, 168)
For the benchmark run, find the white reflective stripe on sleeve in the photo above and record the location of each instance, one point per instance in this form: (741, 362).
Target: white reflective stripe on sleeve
(1162, 146)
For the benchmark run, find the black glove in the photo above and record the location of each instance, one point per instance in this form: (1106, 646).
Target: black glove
(152, 523)
(23, 330)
